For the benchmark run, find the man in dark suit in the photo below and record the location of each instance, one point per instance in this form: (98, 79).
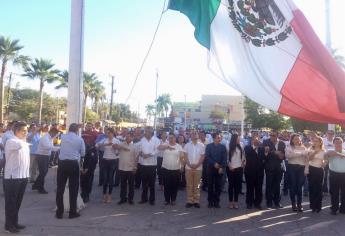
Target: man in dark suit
(274, 154)
(254, 173)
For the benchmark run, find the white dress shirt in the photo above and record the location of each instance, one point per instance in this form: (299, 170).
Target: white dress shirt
(17, 153)
(171, 158)
(194, 153)
(149, 147)
(318, 160)
(296, 156)
(109, 152)
(45, 145)
(236, 160)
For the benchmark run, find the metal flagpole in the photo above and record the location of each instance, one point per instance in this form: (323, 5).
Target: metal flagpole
(75, 78)
(155, 117)
(328, 38)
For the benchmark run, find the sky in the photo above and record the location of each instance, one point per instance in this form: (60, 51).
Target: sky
(117, 36)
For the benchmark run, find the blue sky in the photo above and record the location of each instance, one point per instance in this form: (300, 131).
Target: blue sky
(117, 35)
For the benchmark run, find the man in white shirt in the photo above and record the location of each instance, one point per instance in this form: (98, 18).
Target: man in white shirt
(194, 158)
(328, 143)
(148, 160)
(43, 153)
(16, 175)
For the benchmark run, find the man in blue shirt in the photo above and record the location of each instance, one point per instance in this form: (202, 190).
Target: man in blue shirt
(216, 158)
(71, 150)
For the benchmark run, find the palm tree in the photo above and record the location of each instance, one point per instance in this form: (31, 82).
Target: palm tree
(163, 104)
(98, 94)
(150, 111)
(63, 80)
(9, 51)
(90, 82)
(42, 69)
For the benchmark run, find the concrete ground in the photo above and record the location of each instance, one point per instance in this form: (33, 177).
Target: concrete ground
(110, 219)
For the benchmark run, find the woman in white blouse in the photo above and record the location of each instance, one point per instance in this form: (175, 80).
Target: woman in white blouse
(296, 153)
(172, 156)
(314, 171)
(108, 163)
(235, 170)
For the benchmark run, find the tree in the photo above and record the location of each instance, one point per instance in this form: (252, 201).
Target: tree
(340, 59)
(301, 125)
(90, 82)
(97, 94)
(217, 117)
(9, 51)
(43, 70)
(63, 80)
(150, 111)
(163, 104)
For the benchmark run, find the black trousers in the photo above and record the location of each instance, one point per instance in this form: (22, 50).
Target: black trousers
(337, 187)
(204, 175)
(159, 170)
(100, 163)
(116, 174)
(127, 182)
(14, 192)
(108, 175)
(67, 170)
(138, 178)
(315, 179)
(254, 181)
(86, 182)
(235, 182)
(43, 166)
(148, 174)
(182, 180)
(171, 179)
(214, 181)
(325, 188)
(273, 180)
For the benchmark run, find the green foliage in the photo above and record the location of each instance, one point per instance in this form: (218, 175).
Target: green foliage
(260, 117)
(217, 116)
(91, 116)
(163, 103)
(122, 112)
(301, 125)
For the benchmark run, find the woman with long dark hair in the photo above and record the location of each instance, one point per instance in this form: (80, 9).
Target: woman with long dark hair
(235, 170)
(296, 154)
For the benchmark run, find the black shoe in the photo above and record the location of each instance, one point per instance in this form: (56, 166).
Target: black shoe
(173, 203)
(299, 208)
(294, 208)
(142, 202)
(249, 207)
(152, 203)
(130, 202)
(269, 205)
(317, 210)
(75, 215)
(210, 205)
(121, 202)
(58, 215)
(12, 229)
(18, 226)
(86, 199)
(258, 207)
(216, 205)
(189, 205)
(196, 205)
(42, 191)
(333, 212)
(278, 206)
(166, 203)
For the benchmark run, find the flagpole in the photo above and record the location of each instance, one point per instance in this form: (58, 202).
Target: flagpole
(328, 38)
(75, 77)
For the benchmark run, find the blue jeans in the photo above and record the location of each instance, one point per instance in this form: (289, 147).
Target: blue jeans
(296, 182)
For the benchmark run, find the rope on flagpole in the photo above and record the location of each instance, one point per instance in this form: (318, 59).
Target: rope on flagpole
(148, 52)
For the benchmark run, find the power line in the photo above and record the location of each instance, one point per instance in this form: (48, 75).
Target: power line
(148, 52)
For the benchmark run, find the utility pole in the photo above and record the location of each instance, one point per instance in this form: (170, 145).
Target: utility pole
(111, 96)
(328, 39)
(185, 112)
(155, 117)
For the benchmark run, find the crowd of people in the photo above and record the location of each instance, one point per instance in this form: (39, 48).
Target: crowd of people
(193, 159)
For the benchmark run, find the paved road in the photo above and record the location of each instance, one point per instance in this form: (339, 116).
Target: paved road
(110, 219)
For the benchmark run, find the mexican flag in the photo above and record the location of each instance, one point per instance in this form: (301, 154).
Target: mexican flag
(268, 51)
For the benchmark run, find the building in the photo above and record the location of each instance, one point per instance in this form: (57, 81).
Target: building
(197, 114)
